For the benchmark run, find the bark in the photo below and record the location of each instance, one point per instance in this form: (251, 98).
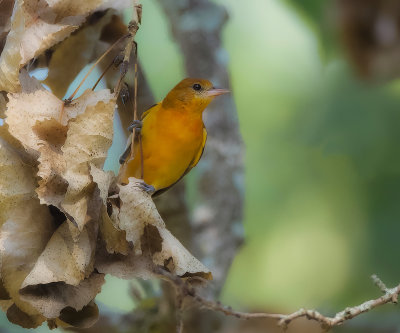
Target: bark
(216, 225)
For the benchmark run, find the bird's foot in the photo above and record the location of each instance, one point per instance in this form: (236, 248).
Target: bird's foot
(136, 124)
(146, 187)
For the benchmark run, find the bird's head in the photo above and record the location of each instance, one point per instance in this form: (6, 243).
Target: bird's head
(195, 94)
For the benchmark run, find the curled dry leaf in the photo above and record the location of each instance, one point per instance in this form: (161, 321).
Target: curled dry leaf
(50, 299)
(84, 318)
(28, 83)
(114, 238)
(6, 7)
(34, 29)
(24, 232)
(2, 106)
(25, 111)
(77, 7)
(105, 181)
(134, 213)
(23, 236)
(36, 125)
(67, 258)
(88, 139)
(52, 186)
(65, 156)
(38, 25)
(58, 278)
(79, 46)
(17, 181)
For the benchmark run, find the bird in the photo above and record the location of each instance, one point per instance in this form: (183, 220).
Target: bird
(172, 135)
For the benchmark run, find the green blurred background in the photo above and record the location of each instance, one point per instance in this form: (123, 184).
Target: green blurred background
(322, 164)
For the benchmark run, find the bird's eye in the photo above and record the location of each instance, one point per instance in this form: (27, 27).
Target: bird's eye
(197, 86)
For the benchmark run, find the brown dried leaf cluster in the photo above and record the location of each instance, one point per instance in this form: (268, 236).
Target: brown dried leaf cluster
(63, 218)
(64, 222)
(37, 25)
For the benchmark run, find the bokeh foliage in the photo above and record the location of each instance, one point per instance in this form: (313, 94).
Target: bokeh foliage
(322, 167)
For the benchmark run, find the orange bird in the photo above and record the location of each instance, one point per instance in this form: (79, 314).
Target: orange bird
(173, 136)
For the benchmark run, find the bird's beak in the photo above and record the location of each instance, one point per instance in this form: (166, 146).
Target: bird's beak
(216, 92)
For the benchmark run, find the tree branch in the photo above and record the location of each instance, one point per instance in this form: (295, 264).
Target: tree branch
(185, 289)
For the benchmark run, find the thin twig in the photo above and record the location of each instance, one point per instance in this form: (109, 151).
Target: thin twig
(179, 327)
(102, 75)
(133, 27)
(179, 313)
(390, 296)
(141, 155)
(379, 283)
(135, 116)
(95, 64)
(69, 99)
(132, 45)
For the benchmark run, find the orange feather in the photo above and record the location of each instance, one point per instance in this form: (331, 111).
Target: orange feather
(173, 135)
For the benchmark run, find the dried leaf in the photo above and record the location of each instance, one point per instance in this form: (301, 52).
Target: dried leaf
(24, 232)
(2, 106)
(28, 83)
(33, 30)
(51, 299)
(16, 316)
(5, 304)
(177, 259)
(23, 112)
(88, 139)
(15, 145)
(153, 244)
(4, 295)
(114, 238)
(105, 181)
(10, 56)
(66, 258)
(34, 120)
(84, 318)
(24, 236)
(73, 7)
(6, 7)
(137, 210)
(17, 180)
(60, 275)
(38, 25)
(124, 266)
(52, 186)
(78, 7)
(80, 47)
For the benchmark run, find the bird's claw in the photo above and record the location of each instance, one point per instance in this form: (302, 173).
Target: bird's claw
(136, 124)
(146, 187)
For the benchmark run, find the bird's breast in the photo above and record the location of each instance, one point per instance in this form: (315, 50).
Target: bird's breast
(171, 140)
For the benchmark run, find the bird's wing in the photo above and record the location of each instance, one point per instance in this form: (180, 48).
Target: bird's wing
(145, 113)
(192, 164)
(199, 153)
(127, 151)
